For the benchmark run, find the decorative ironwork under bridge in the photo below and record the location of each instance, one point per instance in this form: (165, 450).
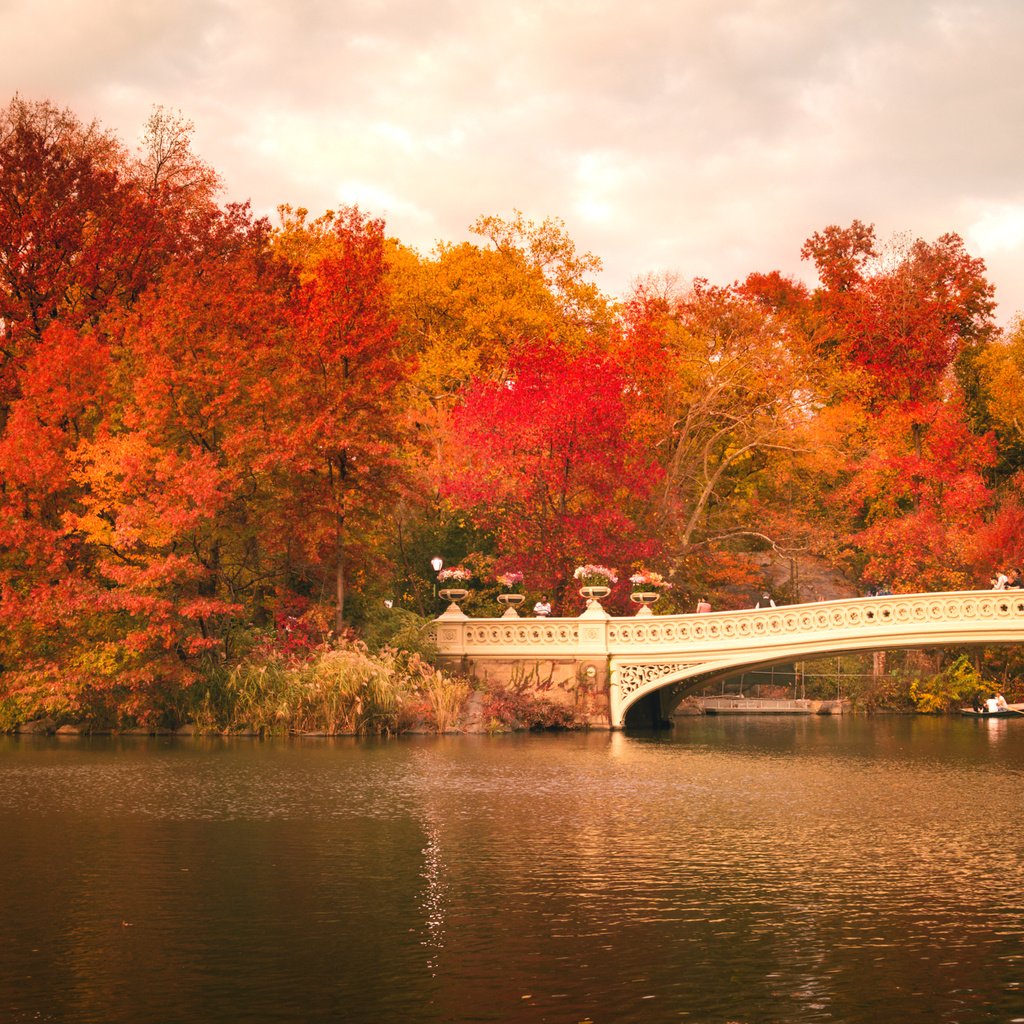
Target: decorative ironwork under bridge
(628, 658)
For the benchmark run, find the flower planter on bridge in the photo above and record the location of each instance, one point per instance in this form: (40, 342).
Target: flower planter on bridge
(645, 599)
(511, 603)
(455, 595)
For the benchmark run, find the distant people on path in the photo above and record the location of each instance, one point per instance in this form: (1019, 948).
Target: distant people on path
(765, 601)
(703, 605)
(542, 609)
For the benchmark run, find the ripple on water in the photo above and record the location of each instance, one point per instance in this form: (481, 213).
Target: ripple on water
(790, 872)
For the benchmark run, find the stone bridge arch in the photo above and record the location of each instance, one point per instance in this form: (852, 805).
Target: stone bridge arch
(715, 645)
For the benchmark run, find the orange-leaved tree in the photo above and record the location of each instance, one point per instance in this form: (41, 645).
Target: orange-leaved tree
(910, 480)
(339, 422)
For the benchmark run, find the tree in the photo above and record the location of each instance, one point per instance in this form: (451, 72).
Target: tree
(891, 325)
(338, 404)
(174, 511)
(903, 314)
(544, 460)
(915, 501)
(547, 249)
(723, 398)
(81, 237)
(84, 228)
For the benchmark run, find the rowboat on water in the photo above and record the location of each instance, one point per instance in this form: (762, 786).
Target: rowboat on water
(1010, 711)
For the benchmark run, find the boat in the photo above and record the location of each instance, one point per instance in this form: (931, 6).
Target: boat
(1010, 711)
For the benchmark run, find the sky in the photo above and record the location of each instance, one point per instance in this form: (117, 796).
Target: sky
(698, 138)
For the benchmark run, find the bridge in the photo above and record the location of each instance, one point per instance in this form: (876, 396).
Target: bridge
(623, 659)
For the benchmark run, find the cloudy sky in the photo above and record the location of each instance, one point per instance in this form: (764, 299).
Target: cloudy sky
(699, 137)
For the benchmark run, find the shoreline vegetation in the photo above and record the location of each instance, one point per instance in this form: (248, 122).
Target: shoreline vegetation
(342, 687)
(294, 685)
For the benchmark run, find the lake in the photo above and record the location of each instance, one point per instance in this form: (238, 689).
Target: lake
(733, 870)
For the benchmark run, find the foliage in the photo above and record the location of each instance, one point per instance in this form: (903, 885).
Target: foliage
(951, 688)
(444, 700)
(342, 688)
(544, 458)
(514, 707)
(646, 579)
(595, 576)
(399, 629)
(223, 444)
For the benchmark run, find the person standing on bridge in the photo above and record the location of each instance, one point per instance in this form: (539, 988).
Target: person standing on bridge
(1000, 580)
(542, 609)
(703, 606)
(765, 601)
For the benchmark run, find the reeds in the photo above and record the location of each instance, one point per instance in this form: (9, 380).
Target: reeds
(341, 690)
(445, 698)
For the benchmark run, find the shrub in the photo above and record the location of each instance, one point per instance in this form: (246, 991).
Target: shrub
(952, 687)
(516, 709)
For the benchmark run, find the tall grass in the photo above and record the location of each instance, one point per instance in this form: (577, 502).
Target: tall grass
(338, 690)
(445, 699)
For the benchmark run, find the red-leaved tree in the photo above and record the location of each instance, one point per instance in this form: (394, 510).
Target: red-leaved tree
(545, 461)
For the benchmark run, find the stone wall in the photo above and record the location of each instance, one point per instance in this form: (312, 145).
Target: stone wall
(579, 684)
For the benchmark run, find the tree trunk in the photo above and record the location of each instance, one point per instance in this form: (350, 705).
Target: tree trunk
(339, 579)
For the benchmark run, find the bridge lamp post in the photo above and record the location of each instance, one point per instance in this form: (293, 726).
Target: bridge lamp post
(436, 563)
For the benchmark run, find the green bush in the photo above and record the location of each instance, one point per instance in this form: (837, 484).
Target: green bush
(400, 629)
(11, 714)
(952, 687)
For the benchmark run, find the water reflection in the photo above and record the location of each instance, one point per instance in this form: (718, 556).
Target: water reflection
(748, 870)
(433, 901)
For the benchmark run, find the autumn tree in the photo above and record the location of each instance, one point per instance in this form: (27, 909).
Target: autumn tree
(462, 311)
(83, 226)
(173, 486)
(80, 239)
(544, 460)
(724, 399)
(901, 313)
(339, 403)
(891, 323)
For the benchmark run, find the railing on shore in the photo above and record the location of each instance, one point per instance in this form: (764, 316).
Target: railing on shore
(756, 705)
